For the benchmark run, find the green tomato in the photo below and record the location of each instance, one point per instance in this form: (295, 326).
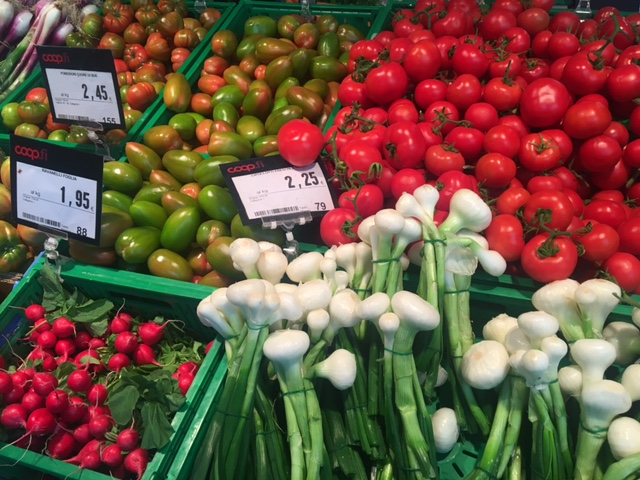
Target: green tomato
(185, 125)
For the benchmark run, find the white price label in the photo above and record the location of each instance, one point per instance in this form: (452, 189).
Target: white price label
(268, 188)
(83, 96)
(56, 200)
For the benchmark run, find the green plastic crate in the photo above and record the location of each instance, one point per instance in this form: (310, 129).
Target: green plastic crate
(364, 18)
(141, 295)
(116, 151)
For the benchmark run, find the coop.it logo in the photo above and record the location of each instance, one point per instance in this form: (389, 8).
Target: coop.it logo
(56, 58)
(31, 153)
(250, 167)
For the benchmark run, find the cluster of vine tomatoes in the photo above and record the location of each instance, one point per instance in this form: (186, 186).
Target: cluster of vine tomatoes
(533, 110)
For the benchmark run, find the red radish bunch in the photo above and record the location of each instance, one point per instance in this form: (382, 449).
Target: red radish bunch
(66, 416)
(523, 107)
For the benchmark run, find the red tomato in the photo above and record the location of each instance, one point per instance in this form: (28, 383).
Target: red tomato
(496, 22)
(468, 58)
(567, 177)
(599, 242)
(539, 152)
(631, 154)
(502, 139)
(482, 116)
(563, 140)
(442, 114)
(629, 232)
(374, 136)
(544, 182)
(495, 170)
(551, 207)
(141, 95)
(384, 180)
(359, 156)
(429, 91)
(422, 60)
(366, 201)
(506, 236)
(404, 145)
(533, 20)
(511, 200)
(468, 141)
(625, 268)
(583, 75)
(516, 123)
(547, 260)
(350, 92)
(300, 143)
(534, 69)
(443, 158)
(544, 103)
(517, 40)
(565, 22)
(464, 91)
(586, 119)
(576, 201)
(599, 154)
(605, 211)
(454, 23)
(339, 227)
(406, 180)
(386, 83)
(562, 44)
(618, 132)
(402, 110)
(446, 46)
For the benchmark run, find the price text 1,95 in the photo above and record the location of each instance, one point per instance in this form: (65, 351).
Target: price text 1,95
(81, 200)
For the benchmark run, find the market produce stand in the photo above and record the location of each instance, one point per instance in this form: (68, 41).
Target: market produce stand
(319, 240)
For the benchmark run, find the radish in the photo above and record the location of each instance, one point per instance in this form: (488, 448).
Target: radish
(188, 367)
(151, 333)
(47, 339)
(79, 381)
(128, 439)
(31, 401)
(41, 325)
(38, 354)
(99, 426)
(61, 445)
(82, 434)
(92, 363)
(136, 461)
(126, 342)
(21, 379)
(33, 337)
(14, 417)
(6, 384)
(208, 347)
(94, 411)
(30, 442)
(119, 472)
(2, 363)
(96, 343)
(120, 324)
(44, 383)
(97, 394)
(49, 363)
(66, 347)
(144, 355)
(63, 327)
(112, 456)
(92, 447)
(118, 361)
(41, 422)
(184, 383)
(75, 411)
(82, 339)
(13, 396)
(57, 402)
(34, 312)
(91, 461)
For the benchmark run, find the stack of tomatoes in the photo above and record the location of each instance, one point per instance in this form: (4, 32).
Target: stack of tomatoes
(533, 110)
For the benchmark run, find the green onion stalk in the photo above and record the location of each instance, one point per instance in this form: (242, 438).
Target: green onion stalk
(626, 468)
(229, 434)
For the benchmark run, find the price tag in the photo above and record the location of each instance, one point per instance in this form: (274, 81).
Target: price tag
(53, 188)
(82, 85)
(271, 187)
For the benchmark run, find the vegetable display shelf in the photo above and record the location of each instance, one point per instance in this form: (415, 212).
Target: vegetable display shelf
(141, 295)
(116, 151)
(366, 19)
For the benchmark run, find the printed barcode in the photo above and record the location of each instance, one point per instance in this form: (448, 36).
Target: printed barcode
(274, 211)
(75, 117)
(46, 221)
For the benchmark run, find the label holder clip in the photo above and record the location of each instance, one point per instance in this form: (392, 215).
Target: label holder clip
(288, 222)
